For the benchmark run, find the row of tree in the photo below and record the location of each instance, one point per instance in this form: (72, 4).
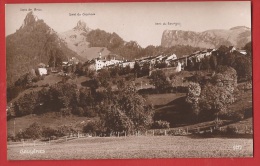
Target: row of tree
(222, 56)
(122, 110)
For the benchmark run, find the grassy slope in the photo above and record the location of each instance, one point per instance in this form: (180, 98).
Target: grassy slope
(244, 101)
(172, 107)
(137, 147)
(52, 120)
(49, 79)
(163, 99)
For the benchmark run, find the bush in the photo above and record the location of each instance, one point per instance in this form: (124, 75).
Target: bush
(231, 130)
(161, 124)
(34, 85)
(65, 130)
(45, 85)
(34, 131)
(93, 127)
(35, 79)
(78, 111)
(10, 137)
(234, 115)
(130, 77)
(248, 113)
(48, 132)
(90, 113)
(65, 111)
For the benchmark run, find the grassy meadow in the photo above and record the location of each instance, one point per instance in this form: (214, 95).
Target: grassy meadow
(136, 147)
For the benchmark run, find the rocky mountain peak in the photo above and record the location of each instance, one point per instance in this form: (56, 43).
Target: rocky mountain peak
(81, 25)
(29, 19)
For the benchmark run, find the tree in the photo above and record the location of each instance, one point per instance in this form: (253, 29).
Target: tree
(145, 69)
(248, 48)
(135, 107)
(127, 69)
(159, 80)
(117, 120)
(79, 68)
(214, 100)
(223, 56)
(128, 112)
(114, 72)
(62, 96)
(104, 77)
(193, 96)
(213, 62)
(121, 83)
(190, 64)
(160, 65)
(243, 67)
(205, 63)
(95, 127)
(85, 98)
(26, 104)
(225, 77)
(137, 69)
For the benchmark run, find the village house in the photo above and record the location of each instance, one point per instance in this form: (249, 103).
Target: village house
(42, 69)
(100, 63)
(168, 59)
(243, 52)
(179, 63)
(231, 49)
(131, 64)
(70, 62)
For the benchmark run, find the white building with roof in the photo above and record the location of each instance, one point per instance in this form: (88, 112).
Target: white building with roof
(101, 63)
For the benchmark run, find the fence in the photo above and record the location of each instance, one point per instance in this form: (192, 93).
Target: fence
(28, 143)
(181, 131)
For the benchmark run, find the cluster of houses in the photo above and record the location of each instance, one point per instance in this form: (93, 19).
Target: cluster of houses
(170, 60)
(103, 62)
(70, 62)
(45, 69)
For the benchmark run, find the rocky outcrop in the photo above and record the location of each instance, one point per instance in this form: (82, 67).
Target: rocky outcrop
(236, 36)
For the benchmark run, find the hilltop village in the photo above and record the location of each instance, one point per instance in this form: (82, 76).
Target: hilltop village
(159, 61)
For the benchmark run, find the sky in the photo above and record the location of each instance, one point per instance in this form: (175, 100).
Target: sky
(141, 22)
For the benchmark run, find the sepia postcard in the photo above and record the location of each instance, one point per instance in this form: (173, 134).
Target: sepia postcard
(129, 80)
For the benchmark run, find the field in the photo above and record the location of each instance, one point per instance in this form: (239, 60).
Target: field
(136, 147)
(163, 99)
(48, 120)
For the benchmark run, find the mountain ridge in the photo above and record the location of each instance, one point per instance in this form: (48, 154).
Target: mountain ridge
(76, 40)
(236, 36)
